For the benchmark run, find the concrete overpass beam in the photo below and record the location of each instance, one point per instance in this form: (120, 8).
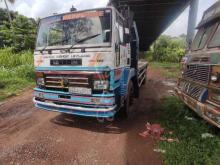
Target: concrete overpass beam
(193, 11)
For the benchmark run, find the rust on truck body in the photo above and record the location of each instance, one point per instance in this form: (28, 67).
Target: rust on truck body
(199, 85)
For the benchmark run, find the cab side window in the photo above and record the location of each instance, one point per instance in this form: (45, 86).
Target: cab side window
(121, 34)
(215, 41)
(120, 29)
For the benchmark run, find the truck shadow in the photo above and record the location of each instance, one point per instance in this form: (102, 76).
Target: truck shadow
(143, 113)
(117, 126)
(136, 149)
(139, 150)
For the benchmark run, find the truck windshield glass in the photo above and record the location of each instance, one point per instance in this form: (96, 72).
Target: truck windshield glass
(201, 38)
(90, 27)
(215, 41)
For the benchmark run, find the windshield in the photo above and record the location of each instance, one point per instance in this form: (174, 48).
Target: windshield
(215, 41)
(201, 38)
(90, 27)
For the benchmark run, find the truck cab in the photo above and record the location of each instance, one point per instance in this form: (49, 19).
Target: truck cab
(199, 85)
(86, 63)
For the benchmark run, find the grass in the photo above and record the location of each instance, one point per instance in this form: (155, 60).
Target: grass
(192, 148)
(168, 70)
(16, 72)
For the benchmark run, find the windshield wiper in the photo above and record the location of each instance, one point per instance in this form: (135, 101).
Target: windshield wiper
(58, 42)
(54, 43)
(84, 39)
(75, 43)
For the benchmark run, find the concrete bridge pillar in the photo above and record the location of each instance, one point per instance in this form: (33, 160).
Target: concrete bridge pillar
(193, 11)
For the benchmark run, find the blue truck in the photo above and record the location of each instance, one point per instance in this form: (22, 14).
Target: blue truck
(87, 63)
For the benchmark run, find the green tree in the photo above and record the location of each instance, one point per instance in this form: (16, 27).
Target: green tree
(16, 31)
(9, 14)
(3, 18)
(167, 49)
(23, 36)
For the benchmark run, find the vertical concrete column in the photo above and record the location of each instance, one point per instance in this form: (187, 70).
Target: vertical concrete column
(193, 11)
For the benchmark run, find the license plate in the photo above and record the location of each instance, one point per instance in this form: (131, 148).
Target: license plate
(77, 90)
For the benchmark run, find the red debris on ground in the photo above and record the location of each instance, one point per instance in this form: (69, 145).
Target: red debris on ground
(156, 131)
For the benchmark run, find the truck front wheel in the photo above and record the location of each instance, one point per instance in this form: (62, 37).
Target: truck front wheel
(127, 109)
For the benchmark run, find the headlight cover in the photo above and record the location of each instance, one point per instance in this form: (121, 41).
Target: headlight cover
(40, 82)
(215, 77)
(101, 85)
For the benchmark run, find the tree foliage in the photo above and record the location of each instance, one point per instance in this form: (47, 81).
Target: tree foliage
(21, 36)
(4, 15)
(167, 49)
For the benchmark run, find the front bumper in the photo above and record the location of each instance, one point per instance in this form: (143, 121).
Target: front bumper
(207, 111)
(94, 106)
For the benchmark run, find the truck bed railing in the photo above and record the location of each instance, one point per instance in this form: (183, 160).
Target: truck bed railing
(142, 68)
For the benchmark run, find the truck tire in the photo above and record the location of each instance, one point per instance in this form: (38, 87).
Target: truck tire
(127, 109)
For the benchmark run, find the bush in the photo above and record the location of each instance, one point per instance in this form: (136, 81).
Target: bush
(25, 71)
(8, 59)
(167, 49)
(16, 72)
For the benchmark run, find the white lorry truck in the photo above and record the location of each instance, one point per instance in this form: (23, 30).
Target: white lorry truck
(87, 63)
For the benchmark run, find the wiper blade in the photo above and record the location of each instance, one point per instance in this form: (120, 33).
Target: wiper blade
(84, 39)
(61, 41)
(75, 43)
(44, 48)
(87, 38)
(54, 43)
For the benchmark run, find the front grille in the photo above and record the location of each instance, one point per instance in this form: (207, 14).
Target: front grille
(192, 90)
(198, 73)
(65, 81)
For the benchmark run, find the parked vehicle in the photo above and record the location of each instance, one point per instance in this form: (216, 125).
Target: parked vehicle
(199, 86)
(87, 63)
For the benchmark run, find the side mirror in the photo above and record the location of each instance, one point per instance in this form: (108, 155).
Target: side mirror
(107, 35)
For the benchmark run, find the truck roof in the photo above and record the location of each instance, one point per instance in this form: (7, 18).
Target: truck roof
(212, 14)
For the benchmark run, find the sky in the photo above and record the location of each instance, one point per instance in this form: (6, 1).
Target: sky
(179, 26)
(43, 8)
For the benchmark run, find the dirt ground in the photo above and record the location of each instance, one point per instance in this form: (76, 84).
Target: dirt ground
(31, 136)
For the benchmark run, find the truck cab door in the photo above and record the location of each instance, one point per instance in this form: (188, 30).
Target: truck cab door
(121, 47)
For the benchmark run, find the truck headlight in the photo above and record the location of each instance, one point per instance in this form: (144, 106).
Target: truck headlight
(215, 77)
(40, 81)
(101, 84)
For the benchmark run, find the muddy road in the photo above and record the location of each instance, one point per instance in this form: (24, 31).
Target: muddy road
(30, 136)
